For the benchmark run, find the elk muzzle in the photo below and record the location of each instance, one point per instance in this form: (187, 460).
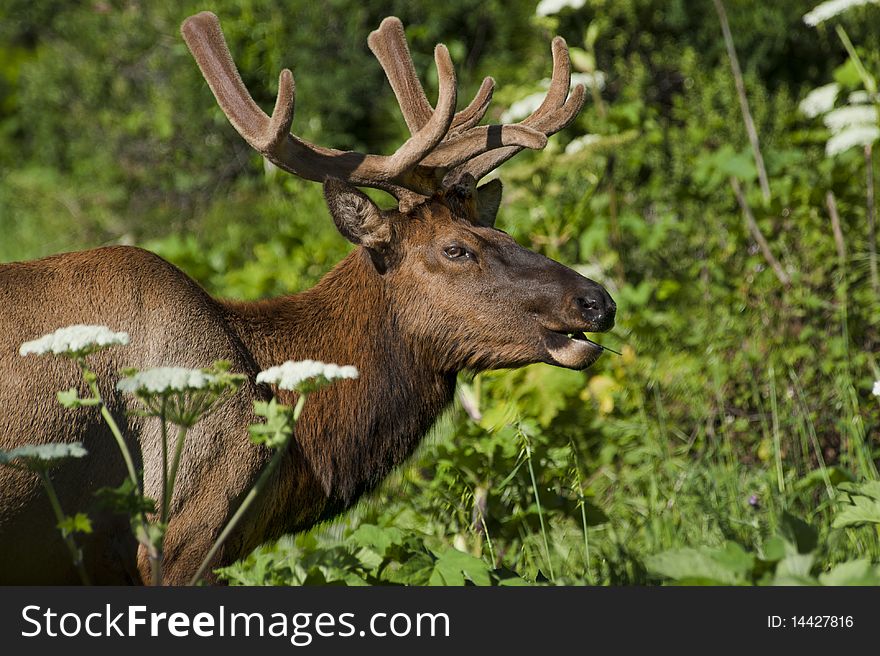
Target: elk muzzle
(586, 308)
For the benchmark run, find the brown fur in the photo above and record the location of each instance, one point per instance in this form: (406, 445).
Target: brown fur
(406, 315)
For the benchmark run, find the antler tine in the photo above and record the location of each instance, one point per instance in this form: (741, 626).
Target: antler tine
(560, 81)
(474, 112)
(464, 141)
(486, 138)
(558, 110)
(388, 43)
(271, 136)
(205, 39)
(436, 128)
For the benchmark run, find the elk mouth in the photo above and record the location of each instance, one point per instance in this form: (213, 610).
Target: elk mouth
(571, 349)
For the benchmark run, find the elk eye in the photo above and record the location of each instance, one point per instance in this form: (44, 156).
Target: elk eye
(455, 252)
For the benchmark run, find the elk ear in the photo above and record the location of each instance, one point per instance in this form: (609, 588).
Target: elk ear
(488, 202)
(356, 216)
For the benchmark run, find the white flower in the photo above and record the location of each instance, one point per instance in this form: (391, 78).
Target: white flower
(525, 106)
(305, 375)
(589, 80)
(850, 116)
(30, 453)
(522, 108)
(821, 13)
(876, 390)
(180, 395)
(162, 380)
(577, 145)
(859, 135)
(819, 100)
(78, 340)
(550, 7)
(859, 98)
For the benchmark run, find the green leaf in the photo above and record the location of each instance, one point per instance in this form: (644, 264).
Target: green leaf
(795, 569)
(799, 533)
(774, 549)
(854, 572)
(149, 535)
(595, 515)
(78, 523)
(369, 559)
(277, 428)
(417, 570)
(730, 565)
(847, 75)
(867, 488)
(378, 537)
(816, 478)
(70, 399)
(452, 566)
(861, 510)
(125, 500)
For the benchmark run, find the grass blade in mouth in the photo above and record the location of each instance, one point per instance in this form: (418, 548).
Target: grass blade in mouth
(604, 348)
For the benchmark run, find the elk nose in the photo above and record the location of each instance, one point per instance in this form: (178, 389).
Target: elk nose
(597, 307)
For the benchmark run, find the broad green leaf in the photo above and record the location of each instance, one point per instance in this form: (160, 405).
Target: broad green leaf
(799, 533)
(380, 538)
(794, 569)
(867, 488)
(861, 510)
(854, 572)
(728, 566)
(453, 566)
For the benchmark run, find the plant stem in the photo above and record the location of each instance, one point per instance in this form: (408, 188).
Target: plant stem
(538, 503)
(75, 553)
(258, 487)
(488, 539)
(811, 431)
(831, 203)
(743, 100)
(872, 219)
(586, 539)
(154, 552)
(758, 235)
(163, 512)
(777, 439)
(114, 428)
(578, 490)
(867, 79)
(175, 463)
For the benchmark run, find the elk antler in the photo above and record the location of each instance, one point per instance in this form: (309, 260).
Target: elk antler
(557, 111)
(441, 141)
(463, 141)
(271, 136)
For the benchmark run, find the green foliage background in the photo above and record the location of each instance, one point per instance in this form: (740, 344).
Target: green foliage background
(738, 426)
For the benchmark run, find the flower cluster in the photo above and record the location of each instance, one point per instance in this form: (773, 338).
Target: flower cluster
(527, 105)
(163, 380)
(306, 375)
(827, 10)
(550, 7)
(40, 456)
(74, 341)
(820, 100)
(180, 395)
(876, 390)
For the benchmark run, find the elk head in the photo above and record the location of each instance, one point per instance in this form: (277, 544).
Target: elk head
(457, 284)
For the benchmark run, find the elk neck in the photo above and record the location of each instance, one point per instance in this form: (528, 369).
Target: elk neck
(351, 434)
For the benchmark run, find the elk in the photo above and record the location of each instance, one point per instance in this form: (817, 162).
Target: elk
(432, 288)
